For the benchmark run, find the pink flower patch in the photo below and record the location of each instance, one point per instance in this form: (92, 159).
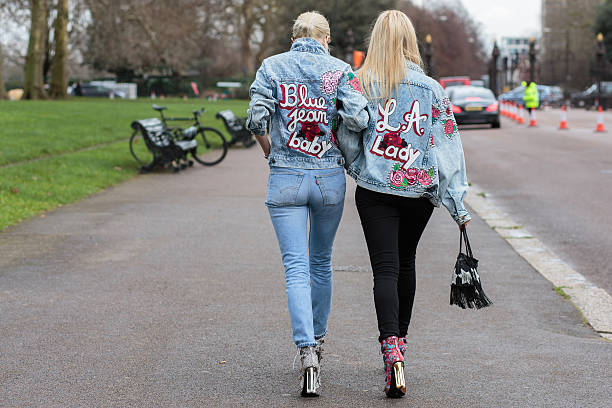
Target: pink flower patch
(396, 178)
(329, 81)
(435, 112)
(449, 127)
(423, 177)
(411, 176)
(355, 84)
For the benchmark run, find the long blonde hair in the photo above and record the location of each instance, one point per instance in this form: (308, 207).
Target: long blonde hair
(392, 42)
(311, 24)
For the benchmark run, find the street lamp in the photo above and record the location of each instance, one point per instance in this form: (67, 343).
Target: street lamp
(428, 55)
(601, 66)
(532, 59)
(493, 69)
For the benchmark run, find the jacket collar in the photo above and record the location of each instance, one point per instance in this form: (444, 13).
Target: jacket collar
(411, 65)
(308, 45)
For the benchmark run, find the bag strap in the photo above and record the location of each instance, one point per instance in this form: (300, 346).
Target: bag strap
(464, 237)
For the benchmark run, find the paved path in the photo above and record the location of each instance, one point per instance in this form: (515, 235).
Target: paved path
(558, 184)
(168, 291)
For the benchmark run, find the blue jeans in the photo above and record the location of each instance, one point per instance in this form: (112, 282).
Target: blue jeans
(294, 196)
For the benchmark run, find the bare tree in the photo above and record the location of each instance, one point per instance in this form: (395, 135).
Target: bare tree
(2, 88)
(60, 57)
(457, 44)
(131, 37)
(33, 82)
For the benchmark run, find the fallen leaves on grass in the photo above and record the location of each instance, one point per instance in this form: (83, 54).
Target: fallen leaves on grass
(15, 190)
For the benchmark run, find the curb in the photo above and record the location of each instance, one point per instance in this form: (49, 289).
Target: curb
(594, 303)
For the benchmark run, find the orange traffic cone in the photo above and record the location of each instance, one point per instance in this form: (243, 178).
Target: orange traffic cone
(532, 119)
(520, 119)
(600, 123)
(513, 116)
(563, 123)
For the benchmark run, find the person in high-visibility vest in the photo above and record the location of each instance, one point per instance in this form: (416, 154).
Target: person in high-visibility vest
(531, 97)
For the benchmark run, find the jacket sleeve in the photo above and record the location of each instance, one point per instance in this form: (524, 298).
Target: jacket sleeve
(451, 161)
(262, 105)
(351, 103)
(350, 144)
(354, 117)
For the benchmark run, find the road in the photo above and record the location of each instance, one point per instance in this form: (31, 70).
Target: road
(168, 291)
(557, 184)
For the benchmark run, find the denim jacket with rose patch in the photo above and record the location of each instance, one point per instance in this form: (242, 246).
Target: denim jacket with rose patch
(411, 147)
(297, 97)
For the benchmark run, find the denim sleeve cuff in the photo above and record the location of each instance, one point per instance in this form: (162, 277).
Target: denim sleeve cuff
(257, 127)
(462, 217)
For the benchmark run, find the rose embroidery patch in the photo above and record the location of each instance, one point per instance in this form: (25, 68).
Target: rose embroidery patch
(435, 114)
(310, 130)
(354, 82)
(400, 179)
(329, 81)
(449, 128)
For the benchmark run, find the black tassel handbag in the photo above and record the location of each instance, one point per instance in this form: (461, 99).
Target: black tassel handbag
(466, 288)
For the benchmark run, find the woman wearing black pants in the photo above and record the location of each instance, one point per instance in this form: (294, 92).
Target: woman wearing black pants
(391, 223)
(408, 161)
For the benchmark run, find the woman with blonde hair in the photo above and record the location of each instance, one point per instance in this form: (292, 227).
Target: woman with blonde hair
(409, 160)
(298, 97)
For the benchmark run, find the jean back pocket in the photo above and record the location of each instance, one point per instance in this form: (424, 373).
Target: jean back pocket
(283, 187)
(332, 186)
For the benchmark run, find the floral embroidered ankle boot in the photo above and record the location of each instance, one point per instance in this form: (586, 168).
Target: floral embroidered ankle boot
(402, 342)
(395, 383)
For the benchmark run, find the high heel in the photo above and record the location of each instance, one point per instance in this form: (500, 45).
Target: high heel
(310, 372)
(398, 374)
(395, 385)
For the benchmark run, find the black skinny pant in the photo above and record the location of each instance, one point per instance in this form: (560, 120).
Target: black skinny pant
(392, 226)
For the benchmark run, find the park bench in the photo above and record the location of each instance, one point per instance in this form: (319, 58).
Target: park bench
(162, 145)
(236, 128)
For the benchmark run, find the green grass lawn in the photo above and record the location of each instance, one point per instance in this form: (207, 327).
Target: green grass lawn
(54, 131)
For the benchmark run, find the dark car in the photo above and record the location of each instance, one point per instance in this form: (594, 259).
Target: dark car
(90, 90)
(515, 95)
(550, 95)
(588, 98)
(473, 105)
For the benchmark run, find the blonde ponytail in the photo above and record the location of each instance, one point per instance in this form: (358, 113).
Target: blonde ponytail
(311, 24)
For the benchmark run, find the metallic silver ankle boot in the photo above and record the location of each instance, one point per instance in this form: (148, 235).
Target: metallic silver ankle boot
(310, 371)
(319, 349)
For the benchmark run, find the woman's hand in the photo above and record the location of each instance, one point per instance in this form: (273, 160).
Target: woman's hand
(264, 143)
(465, 224)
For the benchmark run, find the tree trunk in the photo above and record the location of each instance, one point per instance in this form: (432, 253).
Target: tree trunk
(33, 86)
(248, 62)
(2, 89)
(58, 68)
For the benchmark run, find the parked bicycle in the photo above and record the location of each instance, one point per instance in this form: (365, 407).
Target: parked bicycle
(154, 142)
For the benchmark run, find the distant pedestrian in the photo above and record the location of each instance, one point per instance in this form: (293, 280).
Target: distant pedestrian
(531, 97)
(298, 97)
(78, 89)
(409, 160)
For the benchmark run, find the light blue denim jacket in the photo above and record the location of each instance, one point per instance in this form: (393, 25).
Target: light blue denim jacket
(297, 97)
(411, 147)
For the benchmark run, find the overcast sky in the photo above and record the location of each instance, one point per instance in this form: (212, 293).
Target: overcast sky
(504, 18)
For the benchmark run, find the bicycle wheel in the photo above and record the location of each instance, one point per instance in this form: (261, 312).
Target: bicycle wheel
(139, 149)
(212, 147)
